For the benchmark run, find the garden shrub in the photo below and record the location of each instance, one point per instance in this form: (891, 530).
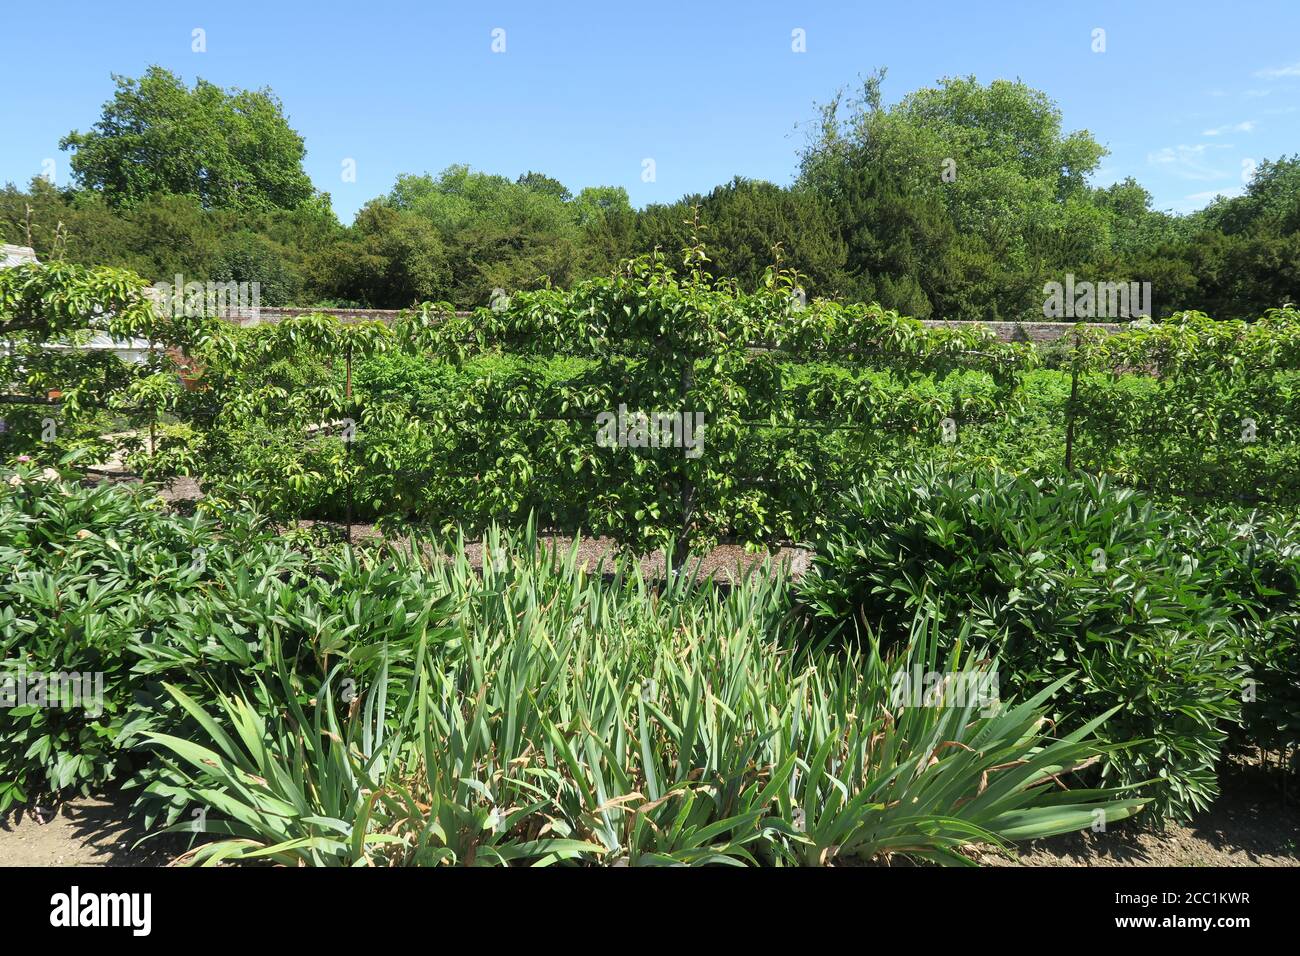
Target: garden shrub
(1253, 562)
(1069, 576)
(1215, 414)
(105, 580)
(83, 572)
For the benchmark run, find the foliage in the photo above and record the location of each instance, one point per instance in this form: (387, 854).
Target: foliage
(491, 417)
(408, 709)
(1072, 576)
(500, 234)
(987, 164)
(157, 137)
(1216, 415)
(1252, 561)
(87, 572)
(510, 759)
(750, 226)
(390, 257)
(273, 410)
(59, 394)
(960, 201)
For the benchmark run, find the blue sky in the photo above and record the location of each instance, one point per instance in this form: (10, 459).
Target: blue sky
(1185, 96)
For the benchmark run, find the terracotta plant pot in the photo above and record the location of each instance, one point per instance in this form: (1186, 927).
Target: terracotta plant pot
(189, 371)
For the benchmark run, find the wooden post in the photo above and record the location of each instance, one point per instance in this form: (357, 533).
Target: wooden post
(347, 401)
(1069, 407)
(687, 490)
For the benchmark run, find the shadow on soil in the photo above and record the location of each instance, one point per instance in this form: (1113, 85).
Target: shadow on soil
(86, 831)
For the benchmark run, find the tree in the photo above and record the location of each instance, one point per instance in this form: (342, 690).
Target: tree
(990, 160)
(1132, 224)
(666, 227)
(229, 149)
(748, 220)
(608, 224)
(47, 312)
(391, 258)
(498, 233)
(900, 242)
(246, 256)
(1270, 205)
(541, 183)
(64, 224)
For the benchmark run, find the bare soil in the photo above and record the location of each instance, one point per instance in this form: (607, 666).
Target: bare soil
(726, 562)
(1252, 824)
(1255, 822)
(86, 831)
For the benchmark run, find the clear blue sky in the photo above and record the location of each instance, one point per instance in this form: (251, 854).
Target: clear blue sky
(1184, 94)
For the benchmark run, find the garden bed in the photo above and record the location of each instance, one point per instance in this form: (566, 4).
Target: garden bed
(1252, 824)
(726, 562)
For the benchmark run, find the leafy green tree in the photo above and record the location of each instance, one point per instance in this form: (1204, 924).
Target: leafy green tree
(901, 245)
(608, 224)
(246, 256)
(1134, 226)
(498, 233)
(229, 149)
(66, 224)
(48, 311)
(1240, 276)
(1270, 205)
(666, 227)
(547, 186)
(174, 234)
(1235, 259)
(993, 158)
(959, 201)
(751, 223)
(392, 258)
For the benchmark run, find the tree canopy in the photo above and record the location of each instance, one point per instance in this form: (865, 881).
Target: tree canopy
(230, 149)
(960, 201)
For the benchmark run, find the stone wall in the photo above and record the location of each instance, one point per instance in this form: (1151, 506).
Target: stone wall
(1037, 332)
(15, 255)
(270, 316)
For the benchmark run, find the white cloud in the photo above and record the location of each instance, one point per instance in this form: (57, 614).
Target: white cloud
(1197, 200)
(1243, 127)
(1279, 72)
(1258, 93)
(1189, 162)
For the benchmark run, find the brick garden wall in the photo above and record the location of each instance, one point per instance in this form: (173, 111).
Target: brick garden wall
(1037, 332)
